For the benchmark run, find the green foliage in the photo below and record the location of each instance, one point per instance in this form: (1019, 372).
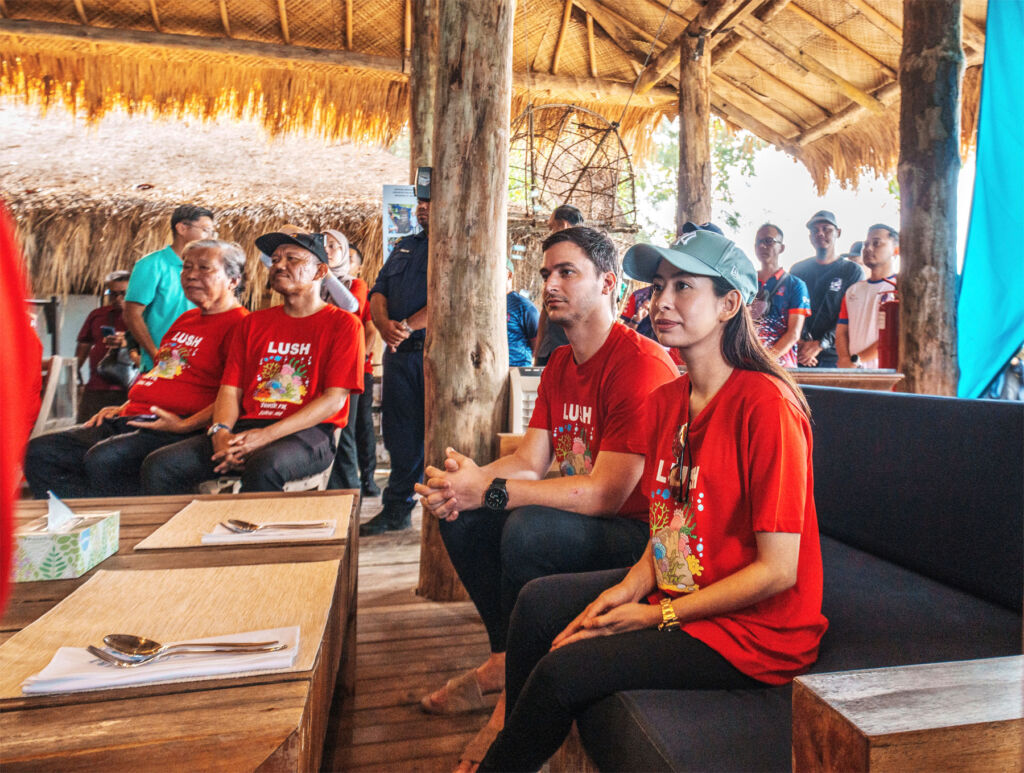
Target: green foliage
(732, 157)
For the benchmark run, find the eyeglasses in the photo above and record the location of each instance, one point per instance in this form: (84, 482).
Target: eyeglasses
(210, 232)
(768, 241)
(684, 454)
(116, 293)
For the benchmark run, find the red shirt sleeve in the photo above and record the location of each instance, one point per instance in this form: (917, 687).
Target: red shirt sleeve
(234, 365)
(844, 318)
(347, 352)
(778, 437)
(626, 396)
(85, 334)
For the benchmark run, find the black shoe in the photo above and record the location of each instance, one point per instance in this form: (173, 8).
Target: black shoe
(371, 489)
(386, 520)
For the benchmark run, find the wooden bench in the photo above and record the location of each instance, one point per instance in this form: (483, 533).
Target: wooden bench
(964, 715)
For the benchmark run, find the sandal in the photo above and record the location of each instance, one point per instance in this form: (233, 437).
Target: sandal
(460, 695)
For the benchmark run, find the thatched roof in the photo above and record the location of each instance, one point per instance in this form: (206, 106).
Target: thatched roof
(815, 77)
(89, 201)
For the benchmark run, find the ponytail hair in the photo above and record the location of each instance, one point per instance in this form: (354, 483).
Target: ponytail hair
(742, 349)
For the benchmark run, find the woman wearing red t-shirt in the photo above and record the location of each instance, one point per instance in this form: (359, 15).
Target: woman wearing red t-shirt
(174, 400)
(728, 592)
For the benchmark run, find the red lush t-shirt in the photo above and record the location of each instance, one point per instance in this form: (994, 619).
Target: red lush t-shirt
(360, 290)
(750, 452)
(281, 363)
(188, 365)
(601, 404)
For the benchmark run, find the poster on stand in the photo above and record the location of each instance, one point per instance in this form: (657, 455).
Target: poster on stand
(399, 215)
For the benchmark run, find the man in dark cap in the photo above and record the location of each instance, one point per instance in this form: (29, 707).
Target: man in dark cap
(398, 305)
(827, 276)
(285, 386)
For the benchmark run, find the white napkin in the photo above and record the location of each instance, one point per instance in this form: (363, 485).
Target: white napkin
(73, 669)
(224, 536)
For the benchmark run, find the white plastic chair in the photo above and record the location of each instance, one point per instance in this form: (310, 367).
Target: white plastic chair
(59, 404)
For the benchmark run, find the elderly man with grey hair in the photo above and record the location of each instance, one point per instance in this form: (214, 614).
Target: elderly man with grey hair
(172, 401)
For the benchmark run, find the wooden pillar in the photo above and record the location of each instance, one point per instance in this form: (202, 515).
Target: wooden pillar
(422, 85)
(931, 69)
(466, 353)
(693, 200)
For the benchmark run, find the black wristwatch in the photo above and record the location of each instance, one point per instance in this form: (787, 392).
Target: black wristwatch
(496, 496)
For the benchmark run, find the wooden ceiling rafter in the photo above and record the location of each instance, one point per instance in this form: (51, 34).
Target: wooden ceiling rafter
(407, 31)
(590, 46)
(348, 24)
(725, 46)
(156, 16)
(80, 10)
(726, 82)
(787, 87)
(876, 17)
(839, 38)
(225, 20)
(560, 40)
(761, 32)
(729, 112)
(282, 15)
(3, 8)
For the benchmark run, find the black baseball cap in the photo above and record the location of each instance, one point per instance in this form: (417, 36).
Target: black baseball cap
(313, 242)
(823, 216)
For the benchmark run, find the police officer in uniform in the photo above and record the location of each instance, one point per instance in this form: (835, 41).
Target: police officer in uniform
(398, 305)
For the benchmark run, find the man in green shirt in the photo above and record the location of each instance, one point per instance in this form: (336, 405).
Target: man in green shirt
(155, 296)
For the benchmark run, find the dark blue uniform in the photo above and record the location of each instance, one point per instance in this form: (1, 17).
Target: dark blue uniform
(403, 281)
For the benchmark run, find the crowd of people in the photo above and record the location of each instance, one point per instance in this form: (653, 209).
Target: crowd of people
(586, 582)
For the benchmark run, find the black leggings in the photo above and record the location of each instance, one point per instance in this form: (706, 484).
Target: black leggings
(547, 690)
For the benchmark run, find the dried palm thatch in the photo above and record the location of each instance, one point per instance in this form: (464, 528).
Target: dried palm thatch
(72, 241)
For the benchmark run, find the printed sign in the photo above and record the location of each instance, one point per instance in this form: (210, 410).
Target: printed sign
(399, 213)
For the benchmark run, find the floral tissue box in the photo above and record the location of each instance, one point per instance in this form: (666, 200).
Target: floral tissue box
(64, 555)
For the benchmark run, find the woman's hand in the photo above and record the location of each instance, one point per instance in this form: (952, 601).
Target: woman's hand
(584, 625)
(165, 422)
(104, 413)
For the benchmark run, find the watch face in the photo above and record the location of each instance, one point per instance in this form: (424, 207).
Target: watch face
(496, 498)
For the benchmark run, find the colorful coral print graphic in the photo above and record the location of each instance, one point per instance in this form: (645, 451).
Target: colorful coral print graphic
(171, 360)
(677, 548)
(572, 449)
(281, 381)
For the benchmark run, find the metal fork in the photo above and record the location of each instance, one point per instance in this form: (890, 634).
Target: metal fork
(134, 662)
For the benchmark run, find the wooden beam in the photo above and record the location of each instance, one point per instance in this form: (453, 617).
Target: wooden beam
(156, 15)
(931, 72)
(81, 12)
(724, 109)
(348, 24)
(566, 13)
(282, 13)
(561, 86)
(723, 79)
(465, 359)
(785, 86)
(875, 17)
(3, 7)
(693, 182)
(407, 30)
(847, 116)
(620, 29)
(590, 46)
(705, 22)
(845, 42)
(776, 40)
(422, 85)
(729, 44)
(224, 20)
(973, 34)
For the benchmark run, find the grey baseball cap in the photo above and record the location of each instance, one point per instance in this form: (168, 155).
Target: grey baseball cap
(701, 253)
(823, 216)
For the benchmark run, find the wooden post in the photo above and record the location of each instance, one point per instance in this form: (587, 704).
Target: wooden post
(422, 85)
(466, 354)
(693, 201)
(931, 68)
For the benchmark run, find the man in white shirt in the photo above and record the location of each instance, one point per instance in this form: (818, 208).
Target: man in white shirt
(857, 328)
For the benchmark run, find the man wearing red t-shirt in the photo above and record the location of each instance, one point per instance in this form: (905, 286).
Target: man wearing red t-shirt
(505, 524)
(285, 386)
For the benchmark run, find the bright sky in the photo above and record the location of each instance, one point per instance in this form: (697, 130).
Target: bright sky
(782, 192)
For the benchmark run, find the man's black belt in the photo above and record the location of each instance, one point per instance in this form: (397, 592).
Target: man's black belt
(410, 345)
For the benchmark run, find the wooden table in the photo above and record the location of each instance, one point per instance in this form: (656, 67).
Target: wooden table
(880, 380)
(265, 722)
(963, 715)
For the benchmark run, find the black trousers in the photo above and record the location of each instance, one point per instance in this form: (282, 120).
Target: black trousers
(547, 690)
(496, 554)
(345, 472)
(180, 468)
(402, 423)
(100, 461)
(366, 438)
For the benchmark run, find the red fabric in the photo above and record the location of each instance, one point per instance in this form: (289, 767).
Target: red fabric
(91, 334)
(20, 384)
(359, 289)
(751, 451)
(189, 364)
(601, 405)
(281, 363)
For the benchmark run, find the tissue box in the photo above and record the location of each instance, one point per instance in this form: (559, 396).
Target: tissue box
(43, 555)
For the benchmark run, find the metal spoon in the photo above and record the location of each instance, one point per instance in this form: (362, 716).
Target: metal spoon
(244, 527)
(137, 646)
(125, 662)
